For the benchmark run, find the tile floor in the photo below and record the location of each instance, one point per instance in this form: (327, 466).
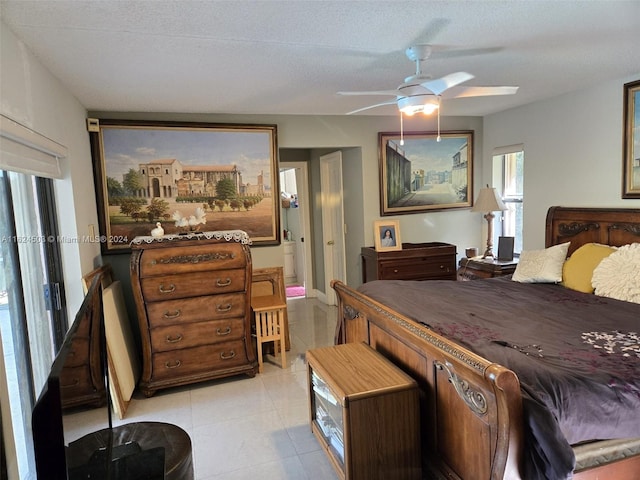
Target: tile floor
(245, 428)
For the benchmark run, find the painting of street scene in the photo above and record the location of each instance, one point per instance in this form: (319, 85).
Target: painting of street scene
(631, 174)
(188, 179)
(425, 171)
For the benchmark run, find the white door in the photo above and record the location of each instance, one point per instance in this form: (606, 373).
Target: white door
(332, 222)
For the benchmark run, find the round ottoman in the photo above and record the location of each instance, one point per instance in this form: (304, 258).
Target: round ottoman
(178, 459)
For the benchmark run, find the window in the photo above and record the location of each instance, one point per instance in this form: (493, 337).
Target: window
(510, 162)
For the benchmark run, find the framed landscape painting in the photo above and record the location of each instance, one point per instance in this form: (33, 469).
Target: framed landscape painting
(631, 147)
(419, 173)
(188, 177)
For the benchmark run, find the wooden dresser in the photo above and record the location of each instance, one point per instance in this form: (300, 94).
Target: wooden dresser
(193, 298)
(416, 261)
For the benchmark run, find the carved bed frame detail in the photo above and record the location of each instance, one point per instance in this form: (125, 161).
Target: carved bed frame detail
(476, 401)
(411, 326)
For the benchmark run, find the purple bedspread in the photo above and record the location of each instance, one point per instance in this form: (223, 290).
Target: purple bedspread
(577, 355)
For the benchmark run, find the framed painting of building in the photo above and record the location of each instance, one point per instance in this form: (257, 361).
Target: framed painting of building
(189, 177)
(420, 172)
(631, 146)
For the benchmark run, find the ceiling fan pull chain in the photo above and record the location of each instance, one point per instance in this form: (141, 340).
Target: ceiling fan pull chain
(401, 130)
(438, 137)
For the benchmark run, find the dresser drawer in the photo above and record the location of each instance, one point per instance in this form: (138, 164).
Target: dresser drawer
(79, 352)
(168, 287)
(196, 334)
(418, 268)
(197, 258)
(76, 381)
(188, 361)
(197, 309)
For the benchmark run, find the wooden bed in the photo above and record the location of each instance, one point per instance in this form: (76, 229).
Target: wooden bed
(472, 409)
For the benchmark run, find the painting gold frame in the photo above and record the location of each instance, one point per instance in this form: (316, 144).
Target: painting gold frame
(631, 141)
(146, 171)
(424, 171)
(386, 234)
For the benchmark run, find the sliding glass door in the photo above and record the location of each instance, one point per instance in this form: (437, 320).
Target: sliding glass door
(32, 317)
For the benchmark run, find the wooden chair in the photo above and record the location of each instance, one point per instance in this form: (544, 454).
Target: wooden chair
(270, 326)
(270, 281)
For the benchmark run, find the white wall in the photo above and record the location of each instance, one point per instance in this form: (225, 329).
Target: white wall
(573, 152)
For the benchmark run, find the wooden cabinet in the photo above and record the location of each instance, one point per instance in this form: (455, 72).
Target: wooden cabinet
(290, 276)
(192, 297)
(416, 261)
(477, 268)
(81, 377)
(364, 412)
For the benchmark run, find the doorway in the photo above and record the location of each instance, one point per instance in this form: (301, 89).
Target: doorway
(294, 181)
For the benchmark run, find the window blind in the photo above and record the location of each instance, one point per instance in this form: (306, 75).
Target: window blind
(507, 149)
(26, 151)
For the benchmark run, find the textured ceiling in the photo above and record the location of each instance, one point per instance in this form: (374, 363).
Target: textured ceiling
(291, 57)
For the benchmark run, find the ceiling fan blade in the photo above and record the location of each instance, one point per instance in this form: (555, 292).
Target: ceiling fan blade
(450, 51)
(395, 93)
(466, 92)
(393, 102)
(439, 85)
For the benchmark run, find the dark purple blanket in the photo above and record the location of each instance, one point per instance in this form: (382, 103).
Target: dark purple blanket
(577, 355)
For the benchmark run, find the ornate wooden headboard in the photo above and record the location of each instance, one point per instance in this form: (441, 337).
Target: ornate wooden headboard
(609, 226)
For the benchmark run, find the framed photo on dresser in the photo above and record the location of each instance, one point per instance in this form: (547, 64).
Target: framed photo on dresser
(387, 235)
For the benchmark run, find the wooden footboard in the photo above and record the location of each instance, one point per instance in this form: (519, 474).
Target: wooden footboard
(471, 409)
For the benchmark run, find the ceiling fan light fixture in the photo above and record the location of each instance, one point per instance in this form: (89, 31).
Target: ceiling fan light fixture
(418, 104)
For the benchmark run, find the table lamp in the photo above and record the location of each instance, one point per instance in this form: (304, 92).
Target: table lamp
(488, 201)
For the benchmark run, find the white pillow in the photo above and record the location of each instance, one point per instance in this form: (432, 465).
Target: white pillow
(541, 266)
(618, 275)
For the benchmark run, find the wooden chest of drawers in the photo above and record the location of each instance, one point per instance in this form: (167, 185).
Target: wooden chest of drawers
(416, 261)
(193, 297)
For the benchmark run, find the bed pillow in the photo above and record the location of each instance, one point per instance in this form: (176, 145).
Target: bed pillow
(618, 275)
(541, 266)
(578, 269)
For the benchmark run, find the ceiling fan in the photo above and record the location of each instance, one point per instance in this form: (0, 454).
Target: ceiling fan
(422, 93)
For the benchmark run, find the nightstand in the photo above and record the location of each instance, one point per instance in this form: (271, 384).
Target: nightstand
(477, 267)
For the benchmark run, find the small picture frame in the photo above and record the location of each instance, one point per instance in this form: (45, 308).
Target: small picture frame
(505, 249)
(387, 235)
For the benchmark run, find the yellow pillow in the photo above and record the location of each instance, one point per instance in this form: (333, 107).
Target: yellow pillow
(578, 269)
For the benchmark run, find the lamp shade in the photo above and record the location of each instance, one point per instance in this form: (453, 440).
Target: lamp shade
(488, 201)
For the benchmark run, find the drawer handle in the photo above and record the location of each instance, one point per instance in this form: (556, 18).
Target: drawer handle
(226, 308)
(226, 283)
(222, 333)
(395, 270)
(175, 339)
(175, 364)
(227, 357)
(75, 383)
(171, 288)
(169, 314)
